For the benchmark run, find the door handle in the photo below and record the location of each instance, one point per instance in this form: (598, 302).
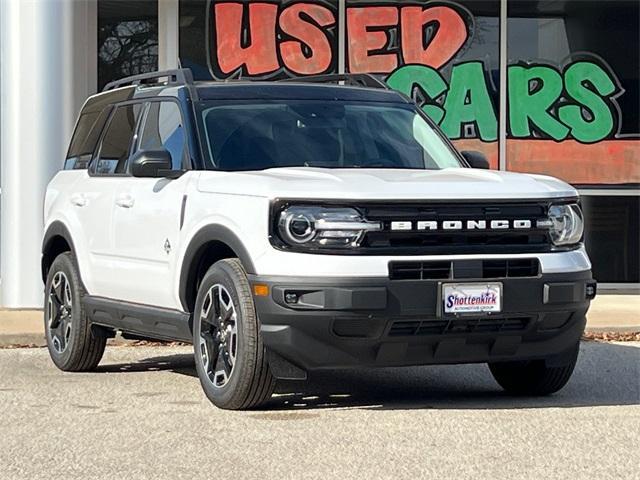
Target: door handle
(78, 199)
(125, 201)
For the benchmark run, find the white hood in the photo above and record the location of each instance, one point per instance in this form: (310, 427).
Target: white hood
(384, 184)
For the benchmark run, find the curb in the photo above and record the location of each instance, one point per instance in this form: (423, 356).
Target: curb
(22, 340)
(627, 329)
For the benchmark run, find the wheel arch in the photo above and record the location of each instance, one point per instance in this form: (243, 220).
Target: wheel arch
(210, 244)
(56, 240)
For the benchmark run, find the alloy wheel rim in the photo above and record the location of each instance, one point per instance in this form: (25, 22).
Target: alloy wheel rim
(60, 310)
(218, 339)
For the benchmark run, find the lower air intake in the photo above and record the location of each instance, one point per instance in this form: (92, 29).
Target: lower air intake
(459, 325)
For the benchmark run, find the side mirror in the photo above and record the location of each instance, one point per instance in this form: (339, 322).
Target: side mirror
(476, 159)
(151, 163)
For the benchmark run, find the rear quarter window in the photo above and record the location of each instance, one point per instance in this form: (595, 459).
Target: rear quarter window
(85, 137)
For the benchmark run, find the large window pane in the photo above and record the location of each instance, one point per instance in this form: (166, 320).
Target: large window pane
(127, 39)
(612, 237)
(255, 39)
(574, 91)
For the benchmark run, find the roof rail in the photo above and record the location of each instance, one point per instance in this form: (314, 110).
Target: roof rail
(351, 79)
(180, 76)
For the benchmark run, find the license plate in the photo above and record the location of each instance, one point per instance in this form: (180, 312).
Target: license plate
(471, 297)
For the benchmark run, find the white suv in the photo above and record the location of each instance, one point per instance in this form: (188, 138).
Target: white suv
(286, 227)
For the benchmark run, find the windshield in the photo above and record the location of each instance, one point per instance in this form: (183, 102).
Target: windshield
(292, 133)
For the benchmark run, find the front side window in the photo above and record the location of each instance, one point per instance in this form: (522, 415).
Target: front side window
(116, 143)
(291, 133)
(164, 130)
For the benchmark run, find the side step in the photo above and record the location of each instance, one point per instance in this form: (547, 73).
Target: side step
(139, 320)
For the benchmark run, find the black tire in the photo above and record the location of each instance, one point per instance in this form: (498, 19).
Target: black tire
(534, 377)
(249, 382)
(82, 348)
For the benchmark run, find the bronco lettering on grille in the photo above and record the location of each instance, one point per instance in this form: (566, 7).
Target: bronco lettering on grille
(433, 225)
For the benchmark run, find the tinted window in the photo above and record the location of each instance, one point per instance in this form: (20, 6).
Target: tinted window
(574, 90)
(85, 138)
(116, 143)
(127, 38)
(257, 136)
(163, 129)
(602, 33)
(613, 236)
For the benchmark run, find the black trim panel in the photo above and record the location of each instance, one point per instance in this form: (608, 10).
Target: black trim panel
(210, 233)
(356, 322)
(143, 320)
(56, 229)
(183, 210)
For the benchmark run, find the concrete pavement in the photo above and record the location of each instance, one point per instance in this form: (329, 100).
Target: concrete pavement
(608, 313)
(143, 415)
(21, 327)
(614, 313)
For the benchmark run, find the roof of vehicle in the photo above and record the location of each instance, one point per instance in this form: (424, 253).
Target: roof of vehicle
(239, 90)
(356, 87)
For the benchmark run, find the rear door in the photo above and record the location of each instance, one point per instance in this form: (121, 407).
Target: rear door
(147, 211)
(94, 196)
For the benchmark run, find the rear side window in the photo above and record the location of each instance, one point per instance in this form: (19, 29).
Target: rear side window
(116, 142)
(85, 138)
(164, 129)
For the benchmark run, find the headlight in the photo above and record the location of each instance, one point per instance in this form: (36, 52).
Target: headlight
(566, 225)
(323, 227)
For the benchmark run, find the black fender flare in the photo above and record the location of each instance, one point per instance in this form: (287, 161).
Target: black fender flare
(197, 244)
(56, 229)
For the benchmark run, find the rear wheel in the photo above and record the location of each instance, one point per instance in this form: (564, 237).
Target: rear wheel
(230, 357)
(72, 344)
(533, 377)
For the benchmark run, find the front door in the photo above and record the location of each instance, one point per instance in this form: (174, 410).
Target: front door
(146, 215)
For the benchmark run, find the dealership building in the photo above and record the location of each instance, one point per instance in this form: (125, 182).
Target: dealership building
(538, 86)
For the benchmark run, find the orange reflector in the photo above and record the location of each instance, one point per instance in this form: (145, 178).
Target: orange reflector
(260, 290)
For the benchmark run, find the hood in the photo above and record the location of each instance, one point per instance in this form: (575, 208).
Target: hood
(384, 184)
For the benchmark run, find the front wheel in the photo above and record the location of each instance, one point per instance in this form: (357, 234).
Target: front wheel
(533, 377)
(230, 357)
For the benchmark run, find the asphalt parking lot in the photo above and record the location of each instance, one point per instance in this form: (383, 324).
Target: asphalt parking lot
(143, 415)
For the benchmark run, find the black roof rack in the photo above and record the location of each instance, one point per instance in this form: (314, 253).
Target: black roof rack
(351, 79)
(180, 76)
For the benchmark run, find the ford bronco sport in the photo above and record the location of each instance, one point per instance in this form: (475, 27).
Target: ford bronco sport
(285, 227)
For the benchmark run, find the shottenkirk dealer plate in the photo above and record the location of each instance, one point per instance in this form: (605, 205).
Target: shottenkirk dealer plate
(471, 298)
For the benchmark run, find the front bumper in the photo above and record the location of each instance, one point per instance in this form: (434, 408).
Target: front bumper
(350, 322)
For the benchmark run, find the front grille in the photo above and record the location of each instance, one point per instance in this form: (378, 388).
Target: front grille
(514, 268)
(458, 325)
(447, 269)
(464, 241)
(435, 270)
